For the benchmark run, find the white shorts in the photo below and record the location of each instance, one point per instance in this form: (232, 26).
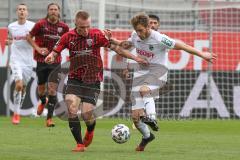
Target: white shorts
(155, 77)
(23, 73)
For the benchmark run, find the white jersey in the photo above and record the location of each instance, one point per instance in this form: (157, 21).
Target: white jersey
(154, 48)
(21, 50)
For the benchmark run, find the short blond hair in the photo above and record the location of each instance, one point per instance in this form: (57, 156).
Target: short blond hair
(141, 18)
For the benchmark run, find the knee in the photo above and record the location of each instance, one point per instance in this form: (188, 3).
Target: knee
(72, 106)
(41, 90)
(144, 90)
(72, 109)
(18, 87)
(88, 116)
(52, 89)
(52, 92)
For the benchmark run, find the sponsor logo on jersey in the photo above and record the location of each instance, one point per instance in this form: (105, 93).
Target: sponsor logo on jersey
(144, 53)
(166, 41)
(20, 38)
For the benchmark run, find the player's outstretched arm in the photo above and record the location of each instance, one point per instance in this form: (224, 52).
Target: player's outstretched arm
(125, 53)
(210, 57)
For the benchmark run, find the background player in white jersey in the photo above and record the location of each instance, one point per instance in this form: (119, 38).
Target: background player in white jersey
(154, 21)
(21, 59)
(152, 46)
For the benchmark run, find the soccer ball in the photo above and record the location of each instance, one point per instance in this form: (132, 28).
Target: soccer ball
(120, 133)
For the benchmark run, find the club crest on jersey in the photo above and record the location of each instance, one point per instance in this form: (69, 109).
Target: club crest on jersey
(89, 42)
(46, 29)
(151, 47)
(60, 29)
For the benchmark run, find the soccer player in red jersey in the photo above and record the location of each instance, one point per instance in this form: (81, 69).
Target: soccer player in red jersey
(85, 74)
(47, 32)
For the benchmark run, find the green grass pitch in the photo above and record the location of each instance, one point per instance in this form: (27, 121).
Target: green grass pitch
(176, 140)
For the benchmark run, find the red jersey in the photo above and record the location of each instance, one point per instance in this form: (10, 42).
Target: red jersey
(46, 35)
(84, 52)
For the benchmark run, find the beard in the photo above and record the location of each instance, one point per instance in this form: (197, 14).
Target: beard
(53, 17)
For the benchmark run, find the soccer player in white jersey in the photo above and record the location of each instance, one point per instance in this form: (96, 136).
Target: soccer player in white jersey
(21, 59)
(152, 46)
(154, 22)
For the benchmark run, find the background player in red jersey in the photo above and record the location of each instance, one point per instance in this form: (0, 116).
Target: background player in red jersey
(85, 74)
(47, 32)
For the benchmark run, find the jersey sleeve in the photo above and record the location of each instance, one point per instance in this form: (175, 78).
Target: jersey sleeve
(36, 29)
(166, 41)
(61, 44)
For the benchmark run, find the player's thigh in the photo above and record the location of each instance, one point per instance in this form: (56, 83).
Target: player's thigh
(52, 88)
(89, 98)
(17, 73)
(42, 73)
(41, 89)
(53, 72)
(90, 92)
(73, 103)
(87, 111)
(137, 100)
(27, 74)
(137, 113)
(87, 107)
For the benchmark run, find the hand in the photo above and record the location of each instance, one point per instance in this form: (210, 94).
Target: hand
(43, 51)
(142, 61)
(209, 56)
(50, 58)
(126, 74)
(107, 33)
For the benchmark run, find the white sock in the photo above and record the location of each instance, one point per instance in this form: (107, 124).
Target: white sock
(143, 128)
(17, 101)
(149, 104)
